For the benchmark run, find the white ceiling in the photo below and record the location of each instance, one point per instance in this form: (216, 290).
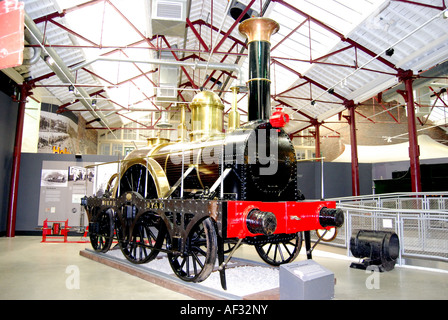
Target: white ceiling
(322, 46)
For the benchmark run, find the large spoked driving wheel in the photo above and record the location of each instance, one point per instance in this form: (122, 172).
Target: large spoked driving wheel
(281, 249)
(140, 240)
(145, 240)
(138, 179)
(196, 262)
(101, 231)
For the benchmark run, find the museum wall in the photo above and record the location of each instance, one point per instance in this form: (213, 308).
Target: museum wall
(384, 170)
(373, 126)
(337, 183)
(337, 179)
(30, 180)
(8, 114)
(64, 132)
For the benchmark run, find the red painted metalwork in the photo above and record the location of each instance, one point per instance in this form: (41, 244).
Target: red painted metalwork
(289, 34)
(292, 217)
(414, 149)
(182, 68)
(308, 79)
(221, 61)
(55, 231)
(382, 105)
(317, 125)
(14, 186)
(350, 105)
(73, 33)
(196, 33)
(443, 7)
(148, 41)
(237, 21)
(279, 119)
(133, 120)
(203, 23)
(338, 34)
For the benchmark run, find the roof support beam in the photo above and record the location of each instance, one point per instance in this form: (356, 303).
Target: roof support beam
(73, 33)
(354, 147)
(443, 7)
(338, 34)
(198, 36)
(237, 21)
(414, 149)
(294, 109)
(14, 186)
(182, 68)
(289, 34)
(131, 24)
(308, 79)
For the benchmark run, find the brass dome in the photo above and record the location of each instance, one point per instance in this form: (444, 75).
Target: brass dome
(207, 98)
(206, 115)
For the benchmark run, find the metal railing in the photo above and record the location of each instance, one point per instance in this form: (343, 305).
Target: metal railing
(419, 219)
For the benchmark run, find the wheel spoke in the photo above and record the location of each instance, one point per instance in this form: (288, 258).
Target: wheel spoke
(143, 245)
(198, 259)
(280, 252)
(102, 240)
(285, 250)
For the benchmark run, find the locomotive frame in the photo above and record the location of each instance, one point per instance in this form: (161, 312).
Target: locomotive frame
(196, 232)
(198, 201)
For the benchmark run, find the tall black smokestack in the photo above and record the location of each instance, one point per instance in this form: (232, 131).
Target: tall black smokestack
(258, 32)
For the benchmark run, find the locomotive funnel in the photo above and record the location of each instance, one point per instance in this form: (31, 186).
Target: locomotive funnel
(258, 32)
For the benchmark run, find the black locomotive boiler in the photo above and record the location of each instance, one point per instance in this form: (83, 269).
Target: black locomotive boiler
(198, 200)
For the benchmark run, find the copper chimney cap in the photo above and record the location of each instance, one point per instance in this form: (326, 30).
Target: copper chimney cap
(259, 29)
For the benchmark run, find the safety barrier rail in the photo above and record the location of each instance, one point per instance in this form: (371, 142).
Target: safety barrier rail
(419, 219)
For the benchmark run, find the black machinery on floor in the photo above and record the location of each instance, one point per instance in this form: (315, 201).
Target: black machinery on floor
(199, 200)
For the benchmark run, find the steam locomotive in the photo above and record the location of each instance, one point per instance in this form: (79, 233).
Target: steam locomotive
(199, 200)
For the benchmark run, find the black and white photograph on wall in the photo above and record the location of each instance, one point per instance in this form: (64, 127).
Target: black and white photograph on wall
(55, 133)
(54, 178)
(63, 184)
(77, 174)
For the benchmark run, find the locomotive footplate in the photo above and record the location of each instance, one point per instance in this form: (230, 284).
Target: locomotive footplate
(194, 232)
(233, 218)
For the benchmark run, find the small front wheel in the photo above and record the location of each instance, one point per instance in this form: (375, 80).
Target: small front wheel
(280, 249)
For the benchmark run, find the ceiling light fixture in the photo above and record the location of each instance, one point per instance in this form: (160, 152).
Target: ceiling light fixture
(49, 60)
(445, 14)
(390, 52)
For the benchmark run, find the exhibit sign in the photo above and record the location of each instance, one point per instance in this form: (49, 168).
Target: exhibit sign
(64, 183)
